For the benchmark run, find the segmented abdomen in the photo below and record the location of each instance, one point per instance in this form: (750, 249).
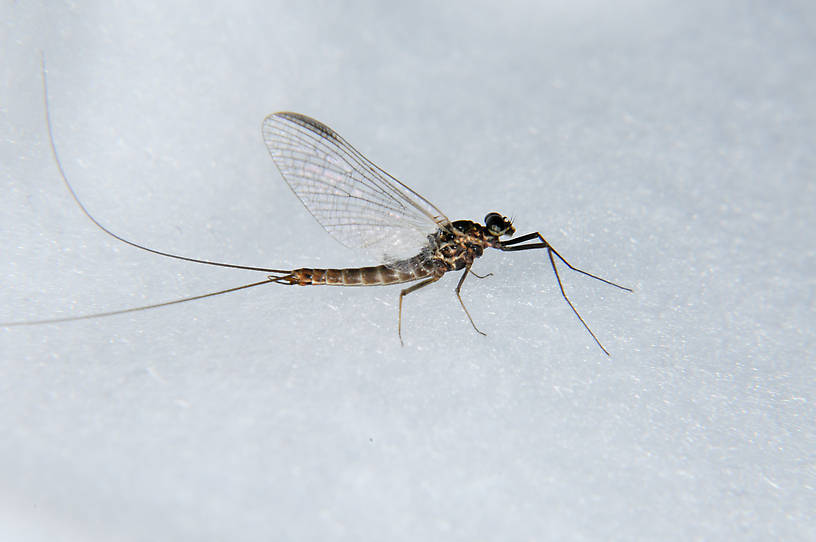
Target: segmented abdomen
(360, 276)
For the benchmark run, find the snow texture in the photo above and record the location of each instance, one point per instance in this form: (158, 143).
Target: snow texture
(668, 146)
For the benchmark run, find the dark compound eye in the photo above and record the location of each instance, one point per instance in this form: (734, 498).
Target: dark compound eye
(498, 225)
(492, 218)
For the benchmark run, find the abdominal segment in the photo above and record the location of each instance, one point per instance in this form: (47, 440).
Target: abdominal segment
(361, 276)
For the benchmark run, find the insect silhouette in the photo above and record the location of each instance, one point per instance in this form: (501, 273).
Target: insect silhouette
(361, 206)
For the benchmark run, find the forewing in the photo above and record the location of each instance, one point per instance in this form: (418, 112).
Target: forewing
(358, 203)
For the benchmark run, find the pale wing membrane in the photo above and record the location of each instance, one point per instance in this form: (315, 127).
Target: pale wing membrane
(358, 203)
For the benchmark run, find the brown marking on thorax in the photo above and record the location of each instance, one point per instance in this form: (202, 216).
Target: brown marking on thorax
(458, 249)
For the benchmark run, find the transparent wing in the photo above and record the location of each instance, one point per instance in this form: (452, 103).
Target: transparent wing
(358, 203)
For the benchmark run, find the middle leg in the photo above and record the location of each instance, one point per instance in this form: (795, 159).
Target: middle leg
(458, 290)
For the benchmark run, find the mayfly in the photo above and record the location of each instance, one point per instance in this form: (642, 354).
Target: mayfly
(361, 206)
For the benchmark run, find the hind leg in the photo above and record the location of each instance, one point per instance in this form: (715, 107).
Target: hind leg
(407, 291)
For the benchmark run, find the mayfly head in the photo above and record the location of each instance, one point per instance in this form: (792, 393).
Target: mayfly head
(498, 225)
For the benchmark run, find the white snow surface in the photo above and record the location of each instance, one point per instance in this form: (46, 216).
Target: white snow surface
(668, 146)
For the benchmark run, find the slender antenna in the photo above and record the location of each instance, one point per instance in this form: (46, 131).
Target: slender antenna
(135, 309)
(95, 221)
